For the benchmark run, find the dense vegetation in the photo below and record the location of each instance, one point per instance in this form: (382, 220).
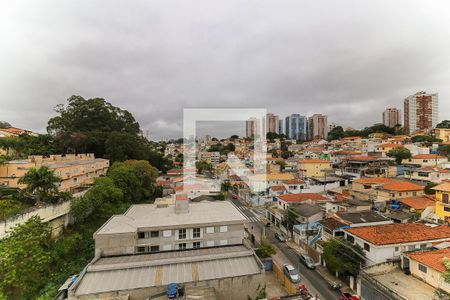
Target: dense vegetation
(343, 257)
(34, 266)
(338, 132)
(399, 154)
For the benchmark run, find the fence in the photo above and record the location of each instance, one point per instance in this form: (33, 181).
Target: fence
(290, 287)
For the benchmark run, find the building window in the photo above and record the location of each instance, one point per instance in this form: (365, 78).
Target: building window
(196, 233)
(167, 247)
(414, 193)
(140, 249)
(182, 234)
(209, 229)
(223, 228)
(141, 235)
(446, 208)
(167, 233)
(366, 247)
(422, 268)
(396, 249)
(444, 198)
(182, 246)
(154, 248)
(154, 234)
(223, 242)
(350, 238)
(210, 244)
(196, 245)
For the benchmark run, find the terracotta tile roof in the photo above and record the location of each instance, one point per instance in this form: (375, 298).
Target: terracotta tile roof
(278, 188)
(313, 161)
(13, 130)
(181, 197)
(293, 181)
(443, 187)
(434, 169)
(373, 180)
(302, 197)
(432, 259)
(399, 233)
(427, 156)
(390, 145)
(418, 202)
(399, 186)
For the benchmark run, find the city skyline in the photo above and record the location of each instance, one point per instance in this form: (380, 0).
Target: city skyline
(295, 57)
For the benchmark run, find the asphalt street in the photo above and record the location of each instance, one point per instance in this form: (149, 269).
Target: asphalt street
(310, 278)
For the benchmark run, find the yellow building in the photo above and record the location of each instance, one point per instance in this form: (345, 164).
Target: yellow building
(443, 201)
(442, 133)
(314, 167)
(75, 170)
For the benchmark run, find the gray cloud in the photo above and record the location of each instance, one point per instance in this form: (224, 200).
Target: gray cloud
(346, 59)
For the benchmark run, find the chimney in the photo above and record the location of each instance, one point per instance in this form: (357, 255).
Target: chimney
(181, 204)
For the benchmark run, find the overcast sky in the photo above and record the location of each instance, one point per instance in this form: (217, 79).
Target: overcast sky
(346, 59)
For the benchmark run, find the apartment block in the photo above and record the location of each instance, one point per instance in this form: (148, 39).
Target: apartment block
(318, 126)
(391, 117)
(75, 170)
(421, 112)
(149, 228)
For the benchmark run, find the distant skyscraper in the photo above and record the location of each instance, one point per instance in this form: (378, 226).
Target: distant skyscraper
(280, 127)
(271, 121)
(295, 127)
(421, 112)
(250, 127)
(391, 117)
(318, 126)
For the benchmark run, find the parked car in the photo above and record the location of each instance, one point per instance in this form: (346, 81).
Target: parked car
(234, 196)
(291, 273)
(347, 296)
(280, 237)
(308, 261)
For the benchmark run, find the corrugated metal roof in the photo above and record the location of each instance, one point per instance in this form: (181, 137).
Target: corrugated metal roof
(140, 271)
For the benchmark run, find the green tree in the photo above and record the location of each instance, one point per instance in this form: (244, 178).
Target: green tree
(146, 175)
(24, 258)
(266, 249)
(343, 257)
(4, 124)
(399, 154)
(41, 182)
(428, 190)
(120, 146)
(336, 133)
(85, 125)
(444, 124)
(203, 166)
(126, 179)
(282, 164)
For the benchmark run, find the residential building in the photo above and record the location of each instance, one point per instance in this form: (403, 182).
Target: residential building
(367, 166)
(318, 126)
(429, 267)
(296, 127)
(391, 117)
(427, 174)
(381, 190)
(251, 127)
(271, 121)
(442, 210)
(442, 133)
(285, 200)
(387, 242)
(294, 186)
(314, 167)
(418, 204)
(260, 182)
(306, 213)
(421, 112)
(386, 147)
(76, 171)
(280, 127)
(148, 228)
(426, 160)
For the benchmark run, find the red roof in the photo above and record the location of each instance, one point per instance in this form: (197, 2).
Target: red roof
(390, 145)
(363, 158)
(181, 197)
(432, 259)
(418, 202)
(293, 181)
(399, 233)
(373, 180)
(278, 188)
(399, 186)
(302, 197)
(427, 156)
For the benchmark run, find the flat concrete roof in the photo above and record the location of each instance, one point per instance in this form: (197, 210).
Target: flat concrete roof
(159, 269)
(151, 216)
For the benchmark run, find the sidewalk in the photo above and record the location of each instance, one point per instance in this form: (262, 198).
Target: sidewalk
(321, 270)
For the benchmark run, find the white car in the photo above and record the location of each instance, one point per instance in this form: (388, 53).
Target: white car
(291, 273)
